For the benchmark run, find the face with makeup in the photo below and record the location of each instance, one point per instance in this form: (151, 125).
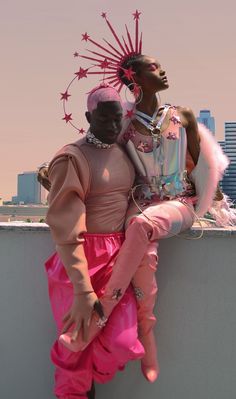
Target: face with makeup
(150, 75)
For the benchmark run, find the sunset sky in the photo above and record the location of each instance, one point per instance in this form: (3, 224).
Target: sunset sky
(194, 41)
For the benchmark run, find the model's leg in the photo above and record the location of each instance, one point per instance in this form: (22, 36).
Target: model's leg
(158, 221)
(145, 287)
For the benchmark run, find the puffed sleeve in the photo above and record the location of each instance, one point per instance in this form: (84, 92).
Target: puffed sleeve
(67, 215)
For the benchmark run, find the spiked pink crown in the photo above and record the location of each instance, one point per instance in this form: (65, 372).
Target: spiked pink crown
(109, 60)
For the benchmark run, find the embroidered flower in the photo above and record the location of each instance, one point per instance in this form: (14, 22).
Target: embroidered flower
(138, 293)
(129, 134)
(101, 322)
(142, 146)
(175, 120)
(171, 136)
(117, 293)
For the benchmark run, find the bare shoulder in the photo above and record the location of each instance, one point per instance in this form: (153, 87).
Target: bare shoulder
(186, 113)
(187, 117)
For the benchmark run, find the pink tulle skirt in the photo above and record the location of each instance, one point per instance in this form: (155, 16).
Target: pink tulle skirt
(116, 344)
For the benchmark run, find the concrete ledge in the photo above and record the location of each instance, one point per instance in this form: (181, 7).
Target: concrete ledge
(194, 231)
(195, 311)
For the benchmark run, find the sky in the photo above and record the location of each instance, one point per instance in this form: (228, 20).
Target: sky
(193, 40)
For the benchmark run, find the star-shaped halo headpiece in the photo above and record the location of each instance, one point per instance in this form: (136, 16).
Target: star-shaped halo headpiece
(108, 60)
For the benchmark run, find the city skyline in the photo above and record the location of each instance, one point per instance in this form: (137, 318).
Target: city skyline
(229, 147)
(38, 42)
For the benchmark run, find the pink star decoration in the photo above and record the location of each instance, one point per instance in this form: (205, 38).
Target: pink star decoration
(103, 14)
(85, 36)
(82, 73)
(129, 113)
(104, 64)
(81, 131)
(76, 54)
(65, 96)
(136, 91)
(67, 118)
(128, 73)
(136, 14)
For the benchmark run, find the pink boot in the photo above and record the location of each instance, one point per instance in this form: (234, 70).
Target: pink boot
(149, 363)
(145, 288)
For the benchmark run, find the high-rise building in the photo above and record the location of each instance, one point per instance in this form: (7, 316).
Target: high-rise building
(206, 119)
(222, 144)
(228, 183)
(28, 189)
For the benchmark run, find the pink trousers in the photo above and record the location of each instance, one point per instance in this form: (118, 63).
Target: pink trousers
(116, 344)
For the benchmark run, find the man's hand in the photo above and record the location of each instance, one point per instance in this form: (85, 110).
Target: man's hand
(80, 314)
(43, 178)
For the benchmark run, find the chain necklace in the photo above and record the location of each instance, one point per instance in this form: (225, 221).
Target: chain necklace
(91, 139)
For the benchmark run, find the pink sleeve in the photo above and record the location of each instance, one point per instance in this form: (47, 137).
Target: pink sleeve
(67, 214)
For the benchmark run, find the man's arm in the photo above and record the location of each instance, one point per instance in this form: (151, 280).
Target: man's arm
(66, 218)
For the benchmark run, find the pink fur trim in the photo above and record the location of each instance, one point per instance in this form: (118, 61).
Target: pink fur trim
(209, 170)
(223, 212)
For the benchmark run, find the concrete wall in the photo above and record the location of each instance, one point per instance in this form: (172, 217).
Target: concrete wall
(196, 328)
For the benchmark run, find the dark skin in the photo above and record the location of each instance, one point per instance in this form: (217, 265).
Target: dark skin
(106, 121)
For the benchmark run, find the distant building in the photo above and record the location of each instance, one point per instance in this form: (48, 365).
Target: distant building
(1, 201)
(206, 119)
(29, 190)
(222, 144)
(228, 183)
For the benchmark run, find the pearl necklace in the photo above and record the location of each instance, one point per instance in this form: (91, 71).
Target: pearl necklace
(91, 139)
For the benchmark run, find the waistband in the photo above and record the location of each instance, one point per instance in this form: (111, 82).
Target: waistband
(104, 235)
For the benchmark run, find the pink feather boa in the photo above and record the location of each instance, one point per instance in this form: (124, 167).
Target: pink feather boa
(209, 170)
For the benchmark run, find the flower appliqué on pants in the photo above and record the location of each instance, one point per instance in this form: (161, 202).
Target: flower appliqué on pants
(138, 293)
(117, 293)
(101, 322)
